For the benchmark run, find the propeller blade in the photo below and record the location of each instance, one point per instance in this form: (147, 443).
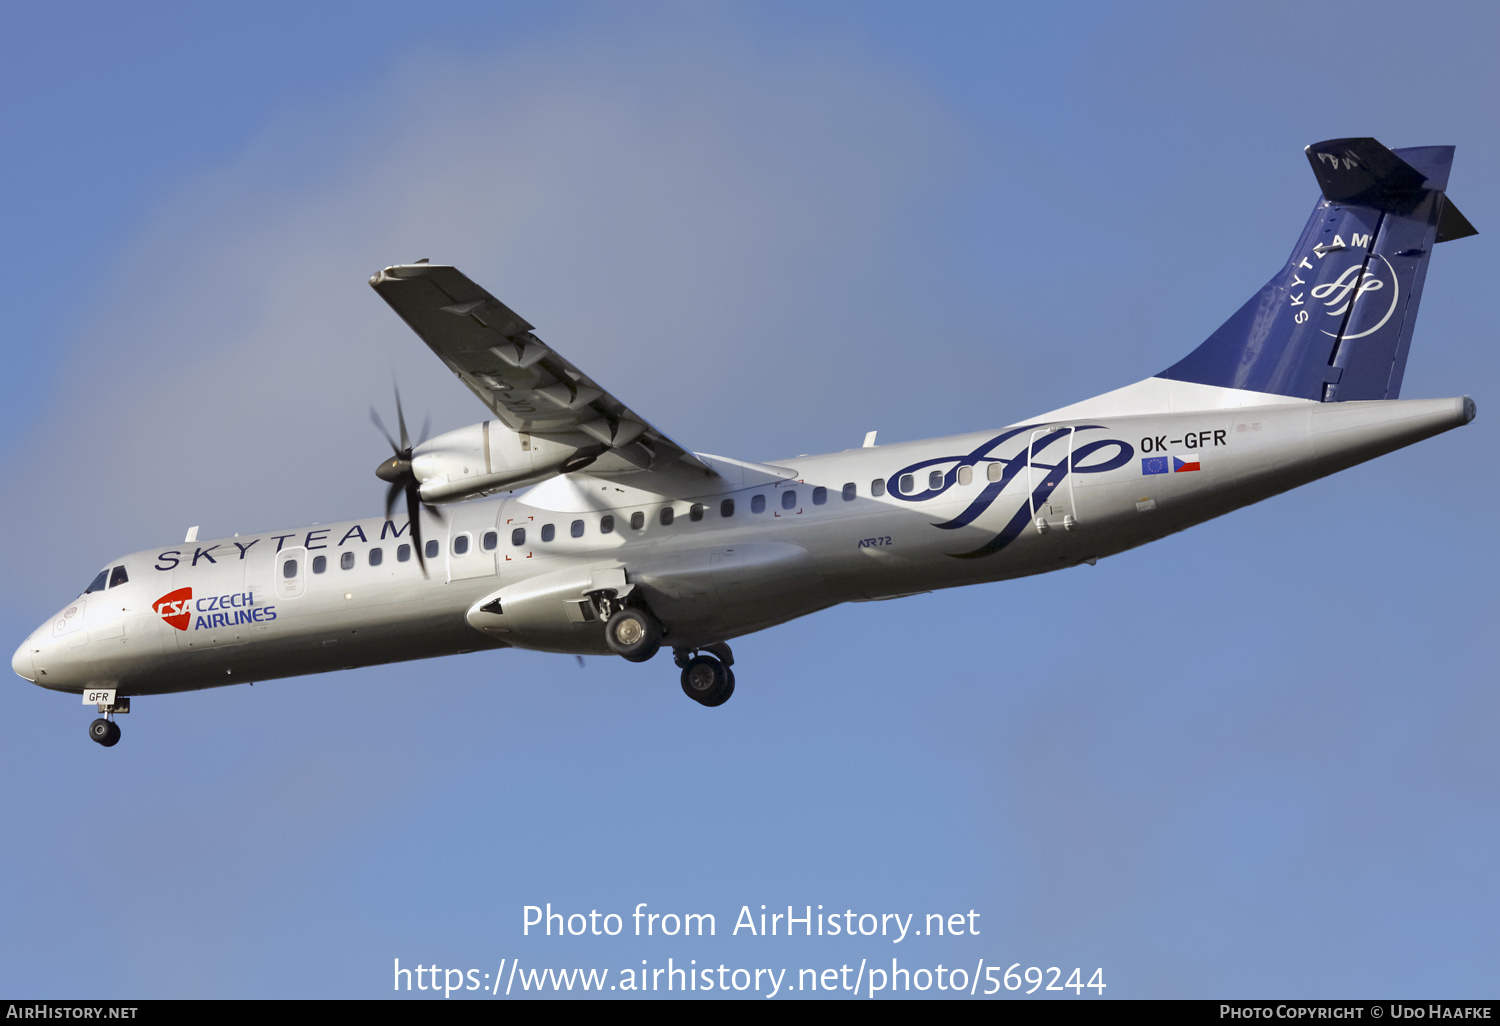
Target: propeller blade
(375, 419)
(399, 473)
(414, 518)
(401, 422)
(426, 428)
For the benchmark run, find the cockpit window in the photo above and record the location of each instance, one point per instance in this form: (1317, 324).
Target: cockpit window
(117, 576)
(98, 584)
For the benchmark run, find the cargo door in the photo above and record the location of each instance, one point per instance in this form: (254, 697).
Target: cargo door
(472, 541)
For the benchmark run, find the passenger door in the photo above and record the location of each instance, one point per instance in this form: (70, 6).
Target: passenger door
(1048, 481)
(290, 574)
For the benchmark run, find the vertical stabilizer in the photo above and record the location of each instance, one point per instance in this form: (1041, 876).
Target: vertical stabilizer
(1336, 322)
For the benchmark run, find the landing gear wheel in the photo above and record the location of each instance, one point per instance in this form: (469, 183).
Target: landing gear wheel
(707, 681)
(104, 732)
(633, 634)
(728, 691)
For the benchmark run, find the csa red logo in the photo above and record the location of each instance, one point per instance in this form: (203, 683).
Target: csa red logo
(175, 607)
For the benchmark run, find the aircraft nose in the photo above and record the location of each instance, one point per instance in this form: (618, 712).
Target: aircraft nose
(21, 662)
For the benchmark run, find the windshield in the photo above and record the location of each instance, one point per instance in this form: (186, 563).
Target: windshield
(98, 584)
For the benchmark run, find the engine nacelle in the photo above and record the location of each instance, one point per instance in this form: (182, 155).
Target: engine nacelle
(490, 457)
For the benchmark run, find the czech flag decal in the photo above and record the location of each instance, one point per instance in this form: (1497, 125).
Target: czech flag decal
(1182, 466)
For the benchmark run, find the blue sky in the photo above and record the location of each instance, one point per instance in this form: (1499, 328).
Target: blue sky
(1253, 759)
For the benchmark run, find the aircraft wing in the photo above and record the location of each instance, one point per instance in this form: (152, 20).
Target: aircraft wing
(525, 383)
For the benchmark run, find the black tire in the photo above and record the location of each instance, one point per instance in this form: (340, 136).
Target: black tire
(104, 732)
(707, 681)
(633, 634)
(728, 692)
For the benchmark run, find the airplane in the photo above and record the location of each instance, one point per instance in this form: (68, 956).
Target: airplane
(567, 523)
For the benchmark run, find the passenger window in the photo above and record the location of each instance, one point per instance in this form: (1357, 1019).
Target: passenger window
(606, 524)
(935, 480)
(637, 520)
(666, 516)
(403, 553)
(460, 545)
(726, 508)
(98, 582)
(849, 492)
(346, 561)
(518, 537)
(289, 569)
(877, 487)
(757, 504)
(320, 563)
(548, 532)
(576, 530)
(965, 475)
(376, 557)
(117, 576)
(695, 514)
(491, 539)
(992, 472)
(908, 484)
(431, 549)
(820, 496)
(789, 499)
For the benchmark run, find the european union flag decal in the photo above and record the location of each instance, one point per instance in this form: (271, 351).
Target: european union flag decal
(1154, 465)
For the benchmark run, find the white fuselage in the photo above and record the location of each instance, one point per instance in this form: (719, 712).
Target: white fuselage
(919, 516)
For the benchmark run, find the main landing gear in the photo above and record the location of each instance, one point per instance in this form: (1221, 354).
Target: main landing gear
(706, 675)
(634, 634)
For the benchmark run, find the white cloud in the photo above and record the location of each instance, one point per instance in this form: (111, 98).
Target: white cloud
(669, 212)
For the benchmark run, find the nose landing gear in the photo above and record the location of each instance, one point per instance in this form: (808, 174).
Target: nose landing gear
(105, 732)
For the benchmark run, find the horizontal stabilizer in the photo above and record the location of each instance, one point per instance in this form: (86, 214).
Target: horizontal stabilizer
(1362, 172)
(1452, 224)
(1365, 173)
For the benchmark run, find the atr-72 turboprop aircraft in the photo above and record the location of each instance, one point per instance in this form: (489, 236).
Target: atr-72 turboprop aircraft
(626, 541)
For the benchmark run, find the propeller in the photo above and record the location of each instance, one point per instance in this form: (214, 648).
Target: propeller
(398, 472)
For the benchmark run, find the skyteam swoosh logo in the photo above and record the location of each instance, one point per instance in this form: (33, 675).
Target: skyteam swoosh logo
(1042, 453)
(1376, 280)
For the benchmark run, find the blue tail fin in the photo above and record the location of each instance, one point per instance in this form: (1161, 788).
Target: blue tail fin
(1336, 322)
